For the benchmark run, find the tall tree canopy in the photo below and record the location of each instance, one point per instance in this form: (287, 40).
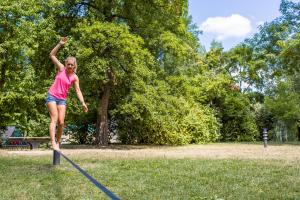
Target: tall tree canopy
(143, 72)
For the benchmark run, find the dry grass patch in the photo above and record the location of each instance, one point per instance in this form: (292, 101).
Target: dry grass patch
(207, 151)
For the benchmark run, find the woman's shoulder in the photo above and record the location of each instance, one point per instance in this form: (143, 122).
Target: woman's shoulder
(75, 77)
(60, 70)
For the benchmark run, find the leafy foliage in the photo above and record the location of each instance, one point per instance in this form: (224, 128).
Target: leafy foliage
(165, 89)
(158, 117)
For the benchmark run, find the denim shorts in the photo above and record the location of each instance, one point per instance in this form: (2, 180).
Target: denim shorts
(51, 98)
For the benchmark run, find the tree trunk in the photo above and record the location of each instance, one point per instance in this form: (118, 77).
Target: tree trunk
(298, 133)
(102, 121)
(2, 76)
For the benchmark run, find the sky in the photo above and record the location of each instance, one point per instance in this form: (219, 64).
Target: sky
(231, 21)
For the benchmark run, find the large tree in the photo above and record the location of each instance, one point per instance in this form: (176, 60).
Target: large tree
(22, 31)
(141, 68)
(268, 62)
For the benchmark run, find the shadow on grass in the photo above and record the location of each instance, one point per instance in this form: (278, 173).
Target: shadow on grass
(296, 143)
(114, 146)
(270, 142)
(117, 146)
(149, 146)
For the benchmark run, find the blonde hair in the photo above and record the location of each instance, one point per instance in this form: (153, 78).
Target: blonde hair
(75, 62)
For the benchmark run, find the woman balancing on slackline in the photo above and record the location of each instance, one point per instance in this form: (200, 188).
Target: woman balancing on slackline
(58, 92)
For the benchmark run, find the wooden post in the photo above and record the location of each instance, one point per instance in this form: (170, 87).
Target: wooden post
(265, 137)
(56, 157)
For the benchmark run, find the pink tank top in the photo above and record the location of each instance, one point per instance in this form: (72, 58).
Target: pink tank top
(61, 85)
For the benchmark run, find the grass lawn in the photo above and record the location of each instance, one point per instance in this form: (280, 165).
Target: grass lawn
(25, 177)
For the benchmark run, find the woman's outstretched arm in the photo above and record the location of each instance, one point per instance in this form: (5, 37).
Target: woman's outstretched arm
(79, 94)
(54, 51)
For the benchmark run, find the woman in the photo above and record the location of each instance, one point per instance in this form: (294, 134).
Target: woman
(58, 92)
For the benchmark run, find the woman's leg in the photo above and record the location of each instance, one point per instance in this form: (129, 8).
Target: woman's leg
(52, 107)
(61, 121)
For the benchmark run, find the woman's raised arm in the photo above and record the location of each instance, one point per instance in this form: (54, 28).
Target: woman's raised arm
(54, 51)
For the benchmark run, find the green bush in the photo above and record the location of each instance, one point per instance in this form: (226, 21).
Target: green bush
(157, 118)
(81, 134)
(238, 121)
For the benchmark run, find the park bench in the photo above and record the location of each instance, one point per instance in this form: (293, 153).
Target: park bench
(13, 138)
(33, 142)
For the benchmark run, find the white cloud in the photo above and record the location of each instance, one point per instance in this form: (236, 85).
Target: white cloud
(227, 27)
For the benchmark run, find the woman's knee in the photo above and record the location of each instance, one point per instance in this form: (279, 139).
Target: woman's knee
(61, 123)
(53, 121)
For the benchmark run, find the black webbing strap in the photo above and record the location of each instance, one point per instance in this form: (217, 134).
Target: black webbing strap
(96, 183)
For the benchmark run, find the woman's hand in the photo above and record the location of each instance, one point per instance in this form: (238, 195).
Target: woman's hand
(85, 108)
(63, 40)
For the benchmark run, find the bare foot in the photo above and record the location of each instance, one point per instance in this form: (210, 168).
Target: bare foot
(55, 147)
